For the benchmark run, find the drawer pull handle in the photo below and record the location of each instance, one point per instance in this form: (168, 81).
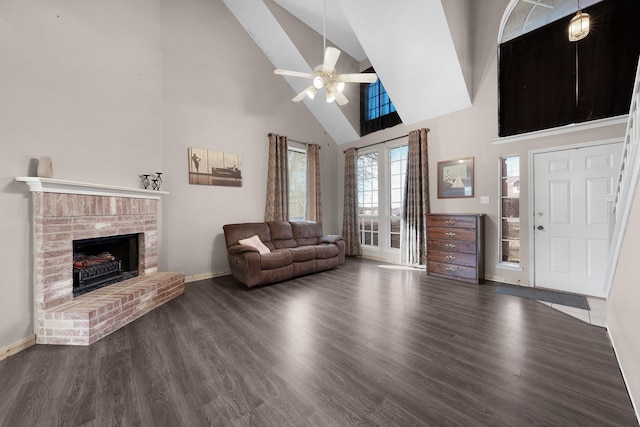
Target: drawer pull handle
(450, 245)
(450, 234)
(450, 222)
(449, 269)
(450, 258)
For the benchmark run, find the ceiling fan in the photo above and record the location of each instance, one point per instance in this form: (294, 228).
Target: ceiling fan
(325, 77)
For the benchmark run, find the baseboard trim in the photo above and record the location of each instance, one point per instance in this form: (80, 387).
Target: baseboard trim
(17, 346)
(624, 377)
(204, 276)
(506, 280)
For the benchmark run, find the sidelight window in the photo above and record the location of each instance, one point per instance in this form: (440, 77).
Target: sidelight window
(510, 209)
(368, 198)
(397, 175)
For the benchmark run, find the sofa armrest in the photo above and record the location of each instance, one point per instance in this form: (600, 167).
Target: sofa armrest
(331, 238)
(241, 249)
(244, 262)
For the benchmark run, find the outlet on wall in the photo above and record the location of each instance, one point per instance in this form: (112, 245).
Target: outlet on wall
(484, 200)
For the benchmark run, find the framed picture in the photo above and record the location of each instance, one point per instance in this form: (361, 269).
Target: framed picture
(209, 167)
(455, 178)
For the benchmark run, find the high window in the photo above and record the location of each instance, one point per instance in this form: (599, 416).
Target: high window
(547, 81)
(378, 102)
(510, 210)
(297, 159)
(381, 185)
(376, 108)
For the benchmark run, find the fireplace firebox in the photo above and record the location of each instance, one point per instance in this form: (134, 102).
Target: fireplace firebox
(103, 261)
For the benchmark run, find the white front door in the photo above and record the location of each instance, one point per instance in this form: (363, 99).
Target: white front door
(571, 217)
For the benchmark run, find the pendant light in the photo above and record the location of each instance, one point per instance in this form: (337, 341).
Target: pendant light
(579, 25)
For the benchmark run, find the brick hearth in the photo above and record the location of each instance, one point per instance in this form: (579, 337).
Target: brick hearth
(90, 317)
(61, 215)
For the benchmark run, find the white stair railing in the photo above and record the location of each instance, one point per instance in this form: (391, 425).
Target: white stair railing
(626, 184)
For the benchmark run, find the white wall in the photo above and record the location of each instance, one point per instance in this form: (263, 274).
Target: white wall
(623, 316)
(220, 93)
(113, 89)
(470, 132)
(80, 83)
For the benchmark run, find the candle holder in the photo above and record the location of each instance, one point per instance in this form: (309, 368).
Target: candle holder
(159, 179)
(145, 181)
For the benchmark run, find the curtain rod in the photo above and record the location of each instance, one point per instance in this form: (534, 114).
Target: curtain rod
(302, 142)
(381, 142)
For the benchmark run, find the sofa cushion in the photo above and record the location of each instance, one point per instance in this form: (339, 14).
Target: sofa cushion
(233, 233)
(326, 251)
(255, 242)
(276, 259)
(306, 232)
(307, 267)
(303, 253)
(281, 234)
(327, 263)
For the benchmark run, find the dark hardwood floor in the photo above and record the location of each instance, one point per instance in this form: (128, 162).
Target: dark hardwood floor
(364, 344)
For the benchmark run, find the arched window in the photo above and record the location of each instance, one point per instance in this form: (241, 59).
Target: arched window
(546, 81)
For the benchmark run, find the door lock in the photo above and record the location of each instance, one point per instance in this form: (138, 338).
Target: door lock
(540, 227)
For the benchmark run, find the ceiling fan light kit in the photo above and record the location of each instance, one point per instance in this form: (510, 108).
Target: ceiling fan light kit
(325, 77)
(311, 92)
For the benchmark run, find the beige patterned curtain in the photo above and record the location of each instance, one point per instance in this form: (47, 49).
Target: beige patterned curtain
(314, 199)
(277, 206)
(416, 201)
(350, 217)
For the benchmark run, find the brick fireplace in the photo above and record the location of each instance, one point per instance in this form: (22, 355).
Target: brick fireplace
(64, 211)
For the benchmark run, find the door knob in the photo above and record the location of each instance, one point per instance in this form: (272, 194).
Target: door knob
(540, 227)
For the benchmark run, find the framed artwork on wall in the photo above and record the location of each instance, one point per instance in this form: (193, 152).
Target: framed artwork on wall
(210, 167)
(455, 178)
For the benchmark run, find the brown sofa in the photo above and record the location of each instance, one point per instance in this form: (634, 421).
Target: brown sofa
(296, 248)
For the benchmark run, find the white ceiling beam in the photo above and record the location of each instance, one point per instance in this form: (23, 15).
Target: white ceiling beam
(412, 51)
(267, 33)
(338, 30)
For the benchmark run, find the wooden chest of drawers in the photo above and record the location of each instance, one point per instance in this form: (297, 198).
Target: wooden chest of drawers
(455, 246)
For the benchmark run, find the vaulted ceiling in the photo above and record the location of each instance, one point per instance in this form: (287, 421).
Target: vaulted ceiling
(420, 49)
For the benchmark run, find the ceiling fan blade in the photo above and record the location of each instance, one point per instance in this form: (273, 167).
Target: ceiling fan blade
(299, 97)
(357, 78)
(340, 98)
(330, 58)
(293, 73)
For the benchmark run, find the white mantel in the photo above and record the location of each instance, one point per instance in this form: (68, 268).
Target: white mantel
(50, 185)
